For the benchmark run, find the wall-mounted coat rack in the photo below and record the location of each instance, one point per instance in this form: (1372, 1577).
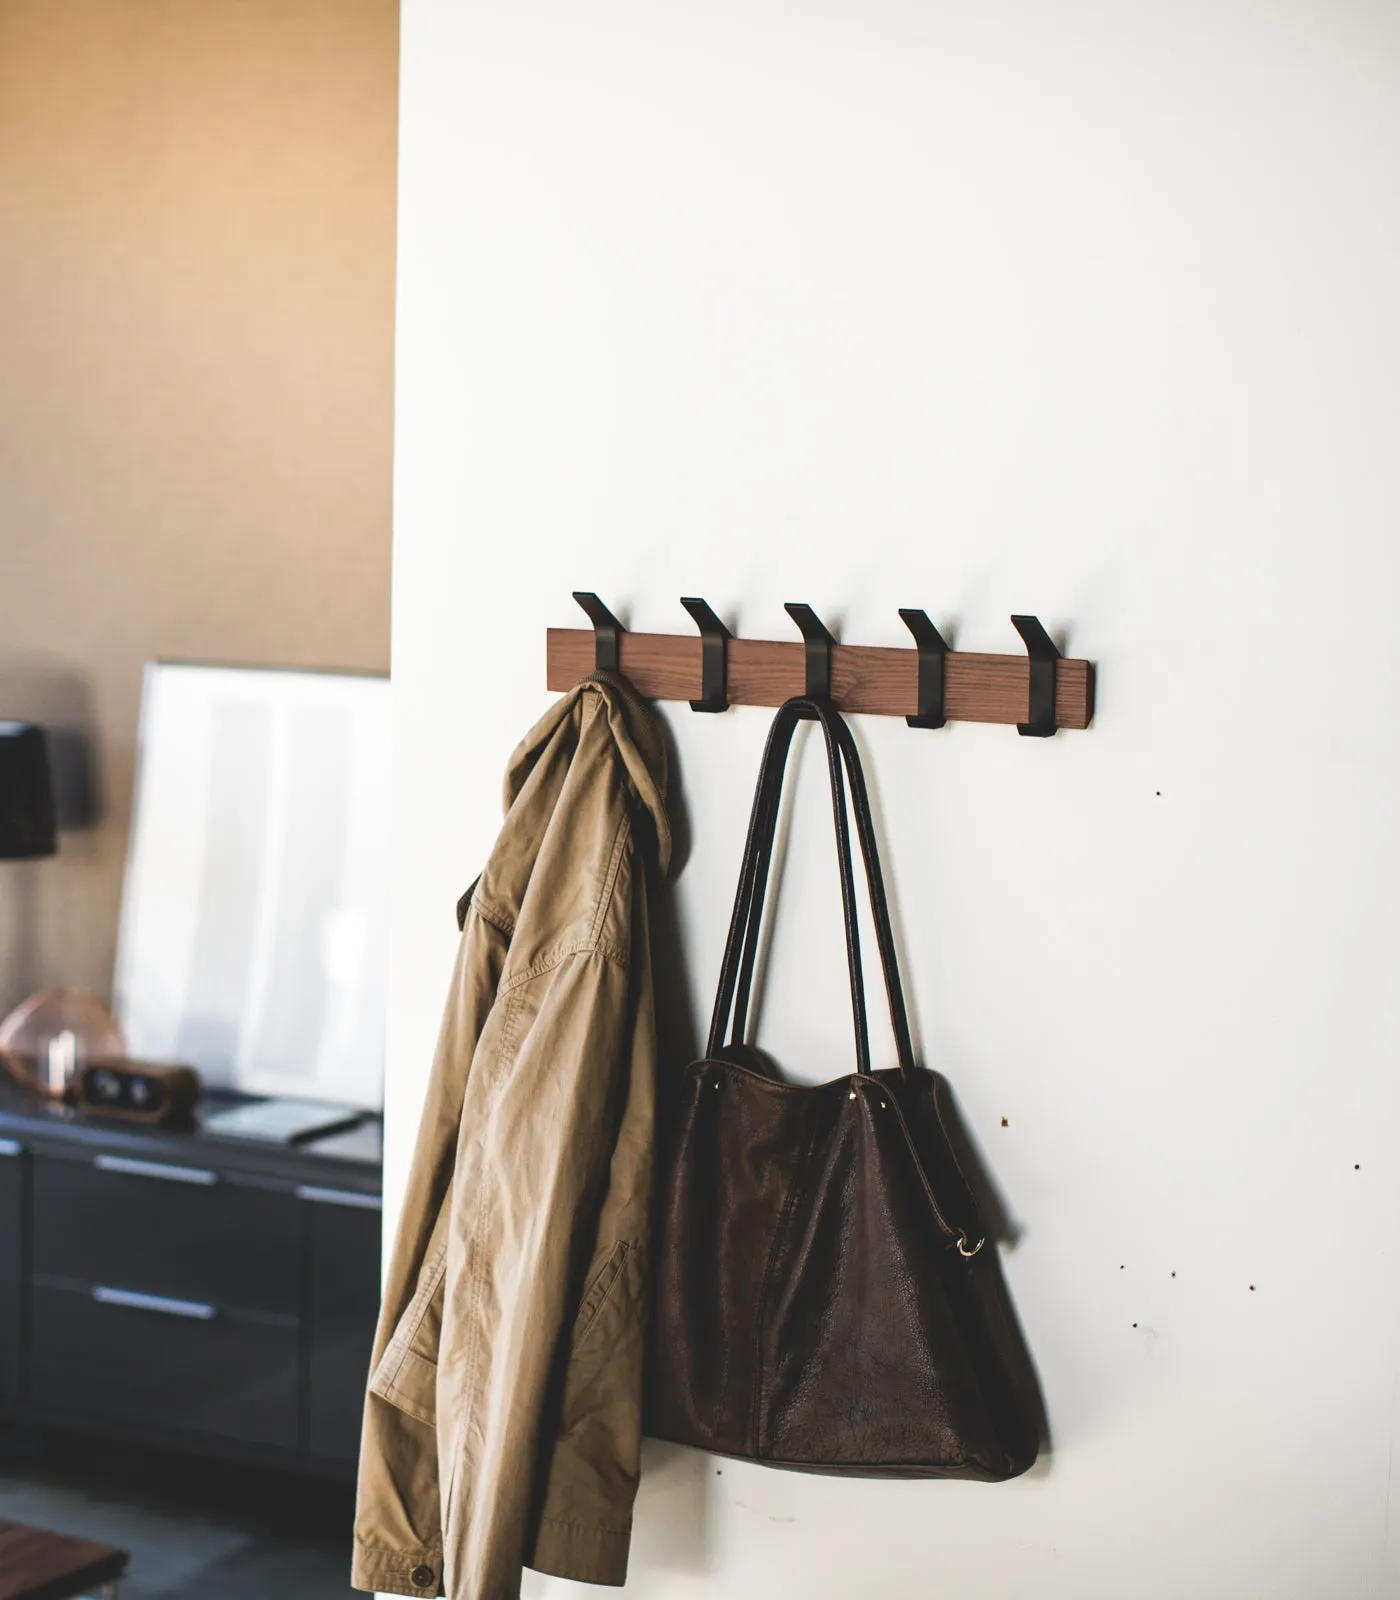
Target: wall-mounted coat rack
(929, 685)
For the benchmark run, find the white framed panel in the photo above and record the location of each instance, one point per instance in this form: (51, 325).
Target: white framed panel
(254, 929)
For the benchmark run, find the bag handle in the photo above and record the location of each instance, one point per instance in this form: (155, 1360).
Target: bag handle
(741, 949)
(875, 888)
(753, 875)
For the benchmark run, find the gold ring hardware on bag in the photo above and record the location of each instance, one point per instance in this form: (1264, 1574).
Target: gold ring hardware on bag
(964, 1251)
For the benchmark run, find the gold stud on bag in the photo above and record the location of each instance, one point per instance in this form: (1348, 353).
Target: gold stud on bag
(823, 1300)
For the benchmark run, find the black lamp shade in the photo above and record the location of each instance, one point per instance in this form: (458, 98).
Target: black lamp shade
(26, 793)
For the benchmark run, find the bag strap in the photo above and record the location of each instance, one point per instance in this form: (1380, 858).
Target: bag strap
(875, 888)
(741, 950)
(771, 780)
(753, 874)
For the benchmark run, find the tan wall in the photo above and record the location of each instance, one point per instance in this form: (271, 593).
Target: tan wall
(196, 342)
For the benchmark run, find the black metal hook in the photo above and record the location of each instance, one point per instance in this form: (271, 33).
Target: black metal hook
(1040, 647)
(714, 649)
(607, 630)
(819, 643)
(933, 649)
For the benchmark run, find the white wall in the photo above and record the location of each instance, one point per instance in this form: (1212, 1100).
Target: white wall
(1084, 309)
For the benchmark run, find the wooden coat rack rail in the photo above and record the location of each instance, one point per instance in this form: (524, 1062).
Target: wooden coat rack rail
(1039, 691)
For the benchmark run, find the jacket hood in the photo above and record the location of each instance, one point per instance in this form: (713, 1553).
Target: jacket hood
(636, 732)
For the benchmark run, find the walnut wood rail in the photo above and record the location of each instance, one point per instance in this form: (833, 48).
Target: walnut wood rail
(869, 678)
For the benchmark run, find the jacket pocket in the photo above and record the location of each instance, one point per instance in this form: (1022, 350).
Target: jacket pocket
(595, 1297)
(406, 1374)
(592, 1464)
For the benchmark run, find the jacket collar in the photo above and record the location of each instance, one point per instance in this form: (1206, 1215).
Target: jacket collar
(636, 732)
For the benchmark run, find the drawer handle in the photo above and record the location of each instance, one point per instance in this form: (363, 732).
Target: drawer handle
(155, 1169)
(194, 1310)
(11, 1147)
(339, 1197)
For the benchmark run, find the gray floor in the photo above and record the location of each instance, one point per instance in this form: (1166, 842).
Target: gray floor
(196, 1530)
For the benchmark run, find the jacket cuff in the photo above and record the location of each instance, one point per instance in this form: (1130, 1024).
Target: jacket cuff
(585, 1554)
(378, 1569)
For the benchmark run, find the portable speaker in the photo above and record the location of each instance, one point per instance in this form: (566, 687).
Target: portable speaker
(138, 1090)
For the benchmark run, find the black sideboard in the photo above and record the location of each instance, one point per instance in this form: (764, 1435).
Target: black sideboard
(169, 1285)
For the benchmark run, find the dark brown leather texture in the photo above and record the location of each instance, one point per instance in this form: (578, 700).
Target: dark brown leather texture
(825, 1296)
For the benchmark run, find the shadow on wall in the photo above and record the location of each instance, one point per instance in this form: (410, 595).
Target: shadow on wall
(674, 1534)
(672, 1529)
(678, 1043)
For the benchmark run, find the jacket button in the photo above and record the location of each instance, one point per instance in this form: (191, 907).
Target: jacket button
(422, 1577)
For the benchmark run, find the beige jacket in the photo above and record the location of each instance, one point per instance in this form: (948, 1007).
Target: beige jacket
(503, 1421)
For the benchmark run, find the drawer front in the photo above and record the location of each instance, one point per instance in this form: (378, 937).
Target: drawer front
(199, 1371)
(13, 1168)
(167, 1229)
(343, 1307)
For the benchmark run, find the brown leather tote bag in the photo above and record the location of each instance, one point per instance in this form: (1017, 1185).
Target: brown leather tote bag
(825, 1296)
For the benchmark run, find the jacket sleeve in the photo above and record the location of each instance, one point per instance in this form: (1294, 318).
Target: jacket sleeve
(543, 1313)
(398, 1540)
